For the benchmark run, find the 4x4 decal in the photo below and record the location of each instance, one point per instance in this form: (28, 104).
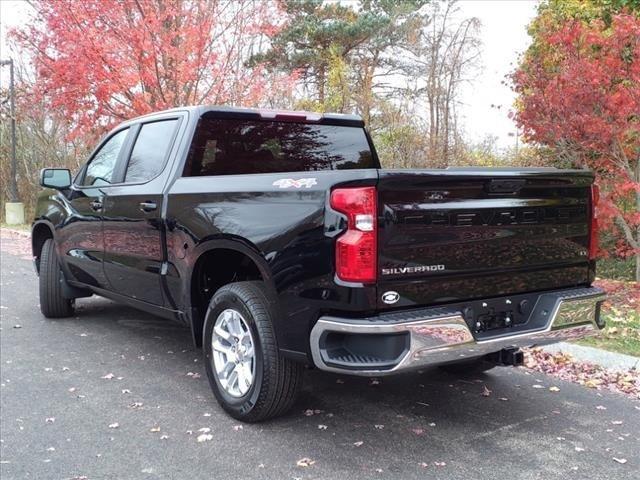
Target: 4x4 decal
(291, 183)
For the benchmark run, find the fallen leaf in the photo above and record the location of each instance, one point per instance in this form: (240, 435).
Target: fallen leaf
(114, 425)
(620, 460)
(440, 464)
(503, 399)
(537, 386)
(164, 437)
(616, 422)
(305, 462)
(50, 420)
(374, 381)
(379, 427)
(126, 390)
(154, 429)
(485, 391)
(601, 407)
(417, 431)
(579, 449)
(237, 428)
(204, 437)
(204, 430)
(358, 444)
(322, 427)
(108, 376)
(554, 389)
(424, 465)
(17, 326)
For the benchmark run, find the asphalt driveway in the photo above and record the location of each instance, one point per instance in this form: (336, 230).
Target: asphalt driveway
(114, 393)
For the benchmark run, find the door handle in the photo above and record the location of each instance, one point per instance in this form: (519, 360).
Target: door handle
(96, 205)
(148, 206)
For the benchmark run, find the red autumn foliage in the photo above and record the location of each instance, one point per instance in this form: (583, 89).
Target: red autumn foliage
(99, 62)
(581, 95)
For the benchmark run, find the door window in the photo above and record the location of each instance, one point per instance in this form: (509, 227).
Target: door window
(150, 151)
(102, 165)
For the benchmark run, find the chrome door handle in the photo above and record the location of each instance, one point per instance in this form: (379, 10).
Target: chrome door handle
(96, 205)
(148, 206)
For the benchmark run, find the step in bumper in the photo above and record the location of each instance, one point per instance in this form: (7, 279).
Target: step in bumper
(400, 341)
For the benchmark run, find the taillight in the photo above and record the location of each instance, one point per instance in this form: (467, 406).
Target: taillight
(357, 248)
(593, 229)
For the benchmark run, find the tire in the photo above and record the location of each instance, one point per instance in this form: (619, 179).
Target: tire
(52, 303)
(473, 367)
(276, 380)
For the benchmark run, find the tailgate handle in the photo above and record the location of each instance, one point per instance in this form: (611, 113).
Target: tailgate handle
(506, 186)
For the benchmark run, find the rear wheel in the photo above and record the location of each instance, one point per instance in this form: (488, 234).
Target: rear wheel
(248, 376)
(472, 367)
(52, 303)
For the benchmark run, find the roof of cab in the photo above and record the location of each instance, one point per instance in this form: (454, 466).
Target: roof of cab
(220, 111)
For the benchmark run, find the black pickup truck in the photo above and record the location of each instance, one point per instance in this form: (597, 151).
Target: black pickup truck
(278, 239)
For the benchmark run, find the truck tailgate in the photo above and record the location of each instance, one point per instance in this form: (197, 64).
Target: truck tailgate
(461, 234)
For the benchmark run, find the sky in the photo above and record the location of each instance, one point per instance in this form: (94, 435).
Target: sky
(503, 36)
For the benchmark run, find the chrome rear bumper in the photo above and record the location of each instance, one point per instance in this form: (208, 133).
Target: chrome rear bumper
(439, 335)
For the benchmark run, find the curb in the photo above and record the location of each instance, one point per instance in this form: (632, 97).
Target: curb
(603, 358)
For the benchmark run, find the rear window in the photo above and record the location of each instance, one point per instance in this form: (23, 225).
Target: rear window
(232, 146)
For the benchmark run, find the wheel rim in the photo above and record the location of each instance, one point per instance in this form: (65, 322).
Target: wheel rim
(233, 353)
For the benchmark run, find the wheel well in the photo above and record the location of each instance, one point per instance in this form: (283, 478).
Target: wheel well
(213, 270)
(40, 234)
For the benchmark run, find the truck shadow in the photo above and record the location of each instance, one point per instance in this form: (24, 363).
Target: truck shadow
(417, 409)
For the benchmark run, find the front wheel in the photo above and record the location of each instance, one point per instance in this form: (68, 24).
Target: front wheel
(53, 304)
(249, 377)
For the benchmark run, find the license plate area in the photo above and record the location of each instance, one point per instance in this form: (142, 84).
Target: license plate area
(495, 316)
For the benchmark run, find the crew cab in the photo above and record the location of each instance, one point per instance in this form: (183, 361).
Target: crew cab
(278, 239)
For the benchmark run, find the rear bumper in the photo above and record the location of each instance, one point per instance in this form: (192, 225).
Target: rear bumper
(400, 341)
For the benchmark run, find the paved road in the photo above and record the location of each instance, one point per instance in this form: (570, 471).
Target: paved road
(55, 370)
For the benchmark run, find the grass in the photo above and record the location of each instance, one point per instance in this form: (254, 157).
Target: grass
(621, 335)
(616, 268)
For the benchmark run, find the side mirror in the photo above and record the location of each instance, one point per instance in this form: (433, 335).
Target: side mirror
(58, 178)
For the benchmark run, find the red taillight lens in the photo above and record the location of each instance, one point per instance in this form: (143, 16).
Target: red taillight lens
(357, 248)
(593, 230)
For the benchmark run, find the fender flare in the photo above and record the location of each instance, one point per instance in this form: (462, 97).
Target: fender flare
(36, 225)
(237, 244)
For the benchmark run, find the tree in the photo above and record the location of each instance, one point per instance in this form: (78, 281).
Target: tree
(315, 35)
(448, 57)
(579, 93)
(99, 62)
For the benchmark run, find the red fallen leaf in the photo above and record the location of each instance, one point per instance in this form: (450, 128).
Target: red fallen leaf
(485, 391)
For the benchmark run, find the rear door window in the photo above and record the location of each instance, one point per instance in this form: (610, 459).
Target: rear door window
(150, 150)
(234, 146)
